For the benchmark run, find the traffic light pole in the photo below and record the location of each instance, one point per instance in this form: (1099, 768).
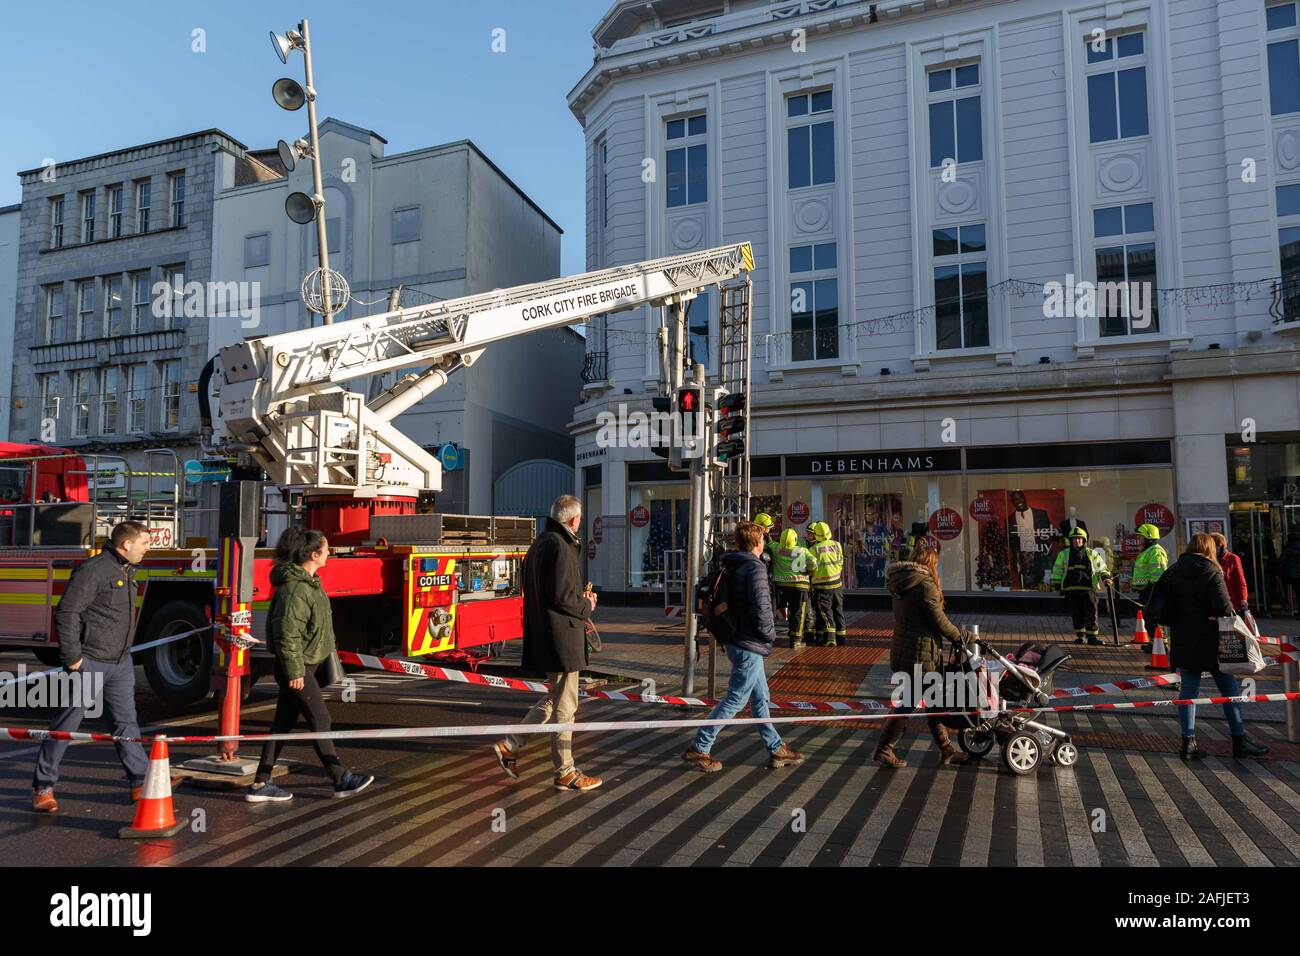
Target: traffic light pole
(695, 537)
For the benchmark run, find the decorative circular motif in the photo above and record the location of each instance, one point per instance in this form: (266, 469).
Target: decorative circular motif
(1120, 173)
(1288, 149)
(812, 215)
(313, 292)
(956, 197)
(686, 233)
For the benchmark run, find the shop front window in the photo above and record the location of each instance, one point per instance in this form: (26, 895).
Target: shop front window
(658, 519)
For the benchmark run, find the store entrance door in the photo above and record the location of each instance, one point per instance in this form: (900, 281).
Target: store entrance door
(1260, 530)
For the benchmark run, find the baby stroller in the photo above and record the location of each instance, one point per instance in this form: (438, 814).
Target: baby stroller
(1022, 679)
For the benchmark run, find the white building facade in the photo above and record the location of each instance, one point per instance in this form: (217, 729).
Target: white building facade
(930, 187)
(440, 222)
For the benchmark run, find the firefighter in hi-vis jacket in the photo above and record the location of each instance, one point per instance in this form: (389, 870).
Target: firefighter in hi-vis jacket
(791, 569)
(1079, 572)
(827, 581)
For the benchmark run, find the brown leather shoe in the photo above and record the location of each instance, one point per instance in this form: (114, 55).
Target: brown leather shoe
(43, 801)
(577, 780)
(783, 756)
(702, 762)
(135, 794)
(949, 753)
(891, 732)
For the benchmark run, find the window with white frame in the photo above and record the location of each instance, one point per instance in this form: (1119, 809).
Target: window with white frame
(175, 306)
(82, 385)
(687, 161)
(814, 302)
(53, 314)
(108, 401)
(56, 223)
(143, 201)
(136, 390)
(961, 288)
(85, 309)
(50, 400)
(956, 124)
(115, 212)
(88, 216)
(1117, 87)
(177, 185)
(406, 225)
(112, 305)
(170, 373)
(1283, 58)
(810, 138)
(141, 298)
(1125, 248)
(699, 325)
(1288, 248)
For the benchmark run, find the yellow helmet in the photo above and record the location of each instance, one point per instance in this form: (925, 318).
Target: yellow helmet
(763, 520)
(1149, 531)
(789, 539)
(821, 531)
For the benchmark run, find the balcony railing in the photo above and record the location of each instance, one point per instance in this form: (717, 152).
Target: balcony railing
(1286, 299)
(594, 368)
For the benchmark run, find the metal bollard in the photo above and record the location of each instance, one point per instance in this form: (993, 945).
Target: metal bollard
(1291, 684)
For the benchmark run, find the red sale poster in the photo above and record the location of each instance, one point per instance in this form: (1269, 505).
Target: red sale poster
(1018, 536)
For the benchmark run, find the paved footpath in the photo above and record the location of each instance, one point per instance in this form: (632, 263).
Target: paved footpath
(1128, 801)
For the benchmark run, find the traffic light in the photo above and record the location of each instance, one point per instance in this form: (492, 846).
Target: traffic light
(660, 442)
(731, 428)
(690, 409)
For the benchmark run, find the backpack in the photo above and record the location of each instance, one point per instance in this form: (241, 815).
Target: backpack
(713, 596)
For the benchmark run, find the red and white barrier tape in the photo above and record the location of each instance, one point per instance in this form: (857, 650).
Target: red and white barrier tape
(503, 730)
(26, 678)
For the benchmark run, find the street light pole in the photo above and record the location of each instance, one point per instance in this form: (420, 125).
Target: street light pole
(322, 237)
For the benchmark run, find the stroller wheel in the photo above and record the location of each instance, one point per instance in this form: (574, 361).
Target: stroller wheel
(1066, 754)
(975, 743)
(1022, 753)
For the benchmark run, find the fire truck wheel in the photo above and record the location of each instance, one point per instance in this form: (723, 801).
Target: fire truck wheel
(180, 672)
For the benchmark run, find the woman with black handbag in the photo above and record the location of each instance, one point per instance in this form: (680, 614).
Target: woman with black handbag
(300, 632)
(1192, 597)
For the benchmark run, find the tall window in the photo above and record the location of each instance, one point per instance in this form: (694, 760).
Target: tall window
(1117, 88)
(136, 390)
(175, 309)
(115, 212)
(112, 305)
(171, 395)
(603, 179)
(53, 314)
(88, 216)
(140, 301)
(688, 161)
(143, 200)
(1288, 247)
(49, 385)
(178, 199)
(108, 401)
(961, 300)
(1283, 59)
(814, 303)
(56, 223)
(699, 324)
(85, 309)
(81, 391)
(810, 138)
(1126, 253)
(956, 126)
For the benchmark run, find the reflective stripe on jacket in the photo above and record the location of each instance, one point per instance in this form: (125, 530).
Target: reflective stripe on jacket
(1149, 566)
(1084, 573)
(830, 564)
(791, 567)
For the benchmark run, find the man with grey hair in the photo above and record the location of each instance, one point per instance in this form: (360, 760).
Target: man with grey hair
(556, 609)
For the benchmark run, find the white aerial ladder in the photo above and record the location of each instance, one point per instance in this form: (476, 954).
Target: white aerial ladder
(285, 399)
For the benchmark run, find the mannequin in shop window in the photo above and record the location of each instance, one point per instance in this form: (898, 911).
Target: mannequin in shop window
(1071, 522)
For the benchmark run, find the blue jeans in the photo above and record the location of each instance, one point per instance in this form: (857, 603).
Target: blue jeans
(1228, 686)
(119, 702)
(747, 684)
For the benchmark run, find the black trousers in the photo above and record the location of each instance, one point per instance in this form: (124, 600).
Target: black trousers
(289, 706)
(794, 600)
(1083, 611)
(829, 604)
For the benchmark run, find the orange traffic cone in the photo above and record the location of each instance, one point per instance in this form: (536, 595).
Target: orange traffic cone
(1159, 653)
(1140, 631)
(154, 816)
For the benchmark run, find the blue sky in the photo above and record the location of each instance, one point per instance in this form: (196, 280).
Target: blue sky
(86, 77)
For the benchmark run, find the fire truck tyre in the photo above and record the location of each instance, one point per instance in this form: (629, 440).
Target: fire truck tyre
(180, 672)
(49, 656)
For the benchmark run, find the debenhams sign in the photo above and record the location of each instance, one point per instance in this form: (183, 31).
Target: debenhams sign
(872, 463)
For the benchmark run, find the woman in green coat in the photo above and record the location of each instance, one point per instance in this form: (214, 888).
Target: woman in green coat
(300, 633)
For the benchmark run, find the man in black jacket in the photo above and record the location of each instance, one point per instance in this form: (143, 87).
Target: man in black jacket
(94, 622)
(556, 609)
(751, 614)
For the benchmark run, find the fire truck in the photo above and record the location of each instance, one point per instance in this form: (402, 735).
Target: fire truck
(278, 411)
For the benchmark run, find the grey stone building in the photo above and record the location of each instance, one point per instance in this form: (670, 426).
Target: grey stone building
(110, 328)
(9, 216)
